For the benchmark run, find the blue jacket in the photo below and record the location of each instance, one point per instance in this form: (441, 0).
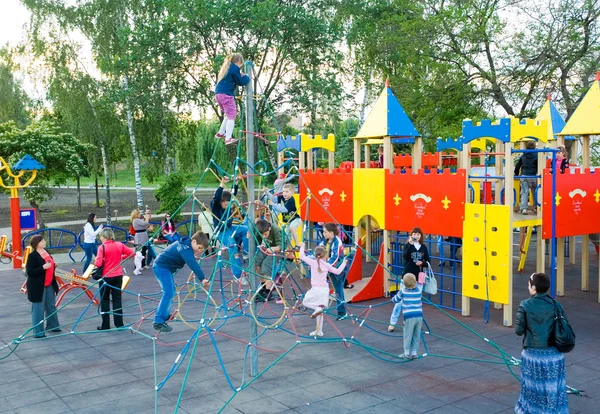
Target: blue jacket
(336, 251)
(232, 80)
(177, 255)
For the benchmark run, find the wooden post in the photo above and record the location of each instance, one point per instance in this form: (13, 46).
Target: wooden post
(464, 162)
(585, 239)
(301, 161)
(572, 253)
(388, 154)
(509, 198)
(331, 161)
(417, 155)
(310, 161)
(540, 264)
(367, 156)
(356, 153)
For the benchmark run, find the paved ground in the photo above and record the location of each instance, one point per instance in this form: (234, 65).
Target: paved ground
(91, 372)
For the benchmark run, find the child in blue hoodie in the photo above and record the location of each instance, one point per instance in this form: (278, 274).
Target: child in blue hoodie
(173, 258)
(230, 77)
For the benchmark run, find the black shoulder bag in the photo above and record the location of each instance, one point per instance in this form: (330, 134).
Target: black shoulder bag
(97, 272)
(564, 337)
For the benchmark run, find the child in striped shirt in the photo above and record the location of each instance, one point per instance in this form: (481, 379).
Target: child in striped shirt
(409, 301)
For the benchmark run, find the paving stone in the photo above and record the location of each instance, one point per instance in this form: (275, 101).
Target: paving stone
(479, 403)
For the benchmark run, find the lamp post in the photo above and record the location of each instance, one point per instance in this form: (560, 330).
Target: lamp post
(26, 166)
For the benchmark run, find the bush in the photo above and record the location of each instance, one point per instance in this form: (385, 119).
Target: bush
(171, 195)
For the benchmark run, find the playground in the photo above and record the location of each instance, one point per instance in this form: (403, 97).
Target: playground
(70, 373)
(218, 361)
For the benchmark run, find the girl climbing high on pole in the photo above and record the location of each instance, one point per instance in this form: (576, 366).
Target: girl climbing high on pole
(230, 77)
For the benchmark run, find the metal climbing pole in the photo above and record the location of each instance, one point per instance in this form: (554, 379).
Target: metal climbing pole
(254, 282)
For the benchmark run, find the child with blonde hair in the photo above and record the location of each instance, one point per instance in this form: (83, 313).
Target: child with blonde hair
(285, 204)
(230, 77)
(317, 297)
(409, 301)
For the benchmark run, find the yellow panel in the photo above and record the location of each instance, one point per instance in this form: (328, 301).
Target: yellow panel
(376, 123)
(479, 144)
(531, 129)
(369, 194)
(586, 118)
(309, 142)
(545, 115)
(486, 270)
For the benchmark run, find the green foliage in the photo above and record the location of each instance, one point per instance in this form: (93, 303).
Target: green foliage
(14, 102)
(61, 153)
(171, 195)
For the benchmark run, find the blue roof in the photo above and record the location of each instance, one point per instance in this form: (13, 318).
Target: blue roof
(27, 163)
(558, 123)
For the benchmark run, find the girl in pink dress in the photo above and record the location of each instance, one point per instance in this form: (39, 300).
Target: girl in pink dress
(317, 297)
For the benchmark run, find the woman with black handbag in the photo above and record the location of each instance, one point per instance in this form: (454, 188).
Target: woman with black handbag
(543, 373)
(110, 256)
(42, 288)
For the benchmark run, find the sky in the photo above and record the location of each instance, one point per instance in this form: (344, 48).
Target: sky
(14, 15)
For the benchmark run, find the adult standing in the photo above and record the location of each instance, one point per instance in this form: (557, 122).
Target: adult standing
(42, 288)
(89, 239)
(543, 374)
(140, 238)
(110, 255)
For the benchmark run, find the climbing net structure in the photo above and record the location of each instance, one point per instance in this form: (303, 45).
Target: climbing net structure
(213, 317)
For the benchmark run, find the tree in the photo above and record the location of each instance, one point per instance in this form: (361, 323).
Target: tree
(14, 102)
(62, 154)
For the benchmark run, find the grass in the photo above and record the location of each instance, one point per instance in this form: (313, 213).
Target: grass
(125, 178)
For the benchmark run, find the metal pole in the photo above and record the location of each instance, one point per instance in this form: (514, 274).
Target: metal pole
(250, 174)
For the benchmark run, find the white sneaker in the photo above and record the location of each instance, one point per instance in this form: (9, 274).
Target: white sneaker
(315, 333)
(244, 280)
(137, 272)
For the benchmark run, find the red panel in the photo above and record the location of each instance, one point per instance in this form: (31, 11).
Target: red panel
(331, 195)
(430, 160)
(420, 202)
(578, 209)
(355, 272)
(402, 161)
(374, 287)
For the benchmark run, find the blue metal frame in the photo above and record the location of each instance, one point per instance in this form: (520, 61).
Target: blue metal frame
(48, 236)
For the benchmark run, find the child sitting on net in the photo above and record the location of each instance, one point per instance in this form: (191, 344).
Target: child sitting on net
(408, 300)
(317, 297)
(285, 204)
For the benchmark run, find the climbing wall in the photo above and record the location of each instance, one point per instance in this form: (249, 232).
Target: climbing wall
(487, 252)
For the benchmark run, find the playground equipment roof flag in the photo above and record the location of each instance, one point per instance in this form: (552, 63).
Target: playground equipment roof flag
(556, 123)
(387, 118)
(586, 120)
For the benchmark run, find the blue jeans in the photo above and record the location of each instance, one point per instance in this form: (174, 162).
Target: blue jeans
(90, 249)
(167, 284)
(231, 238)
(338, 287)
(47, 308)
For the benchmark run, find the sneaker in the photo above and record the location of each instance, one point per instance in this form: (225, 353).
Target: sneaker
(162, 327)
(341, 317)
(315, 333)
(349, 287)
(391, 328)
(404, 356)
(524, 212)
(244, 280)
(413, 357)
(230, 141)
(219, 135)
(137, 272)
(56, 330)
(280, 302)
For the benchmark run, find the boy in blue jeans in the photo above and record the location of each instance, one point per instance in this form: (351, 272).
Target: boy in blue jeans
(172, 259)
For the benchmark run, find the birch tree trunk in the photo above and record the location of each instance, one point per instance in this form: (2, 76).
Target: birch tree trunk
(163, 129)
(136, 155)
